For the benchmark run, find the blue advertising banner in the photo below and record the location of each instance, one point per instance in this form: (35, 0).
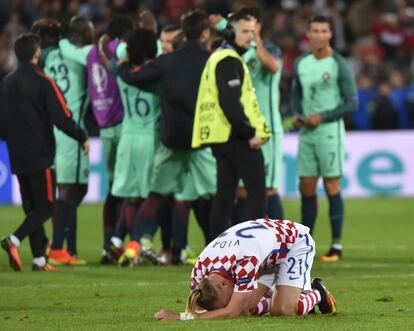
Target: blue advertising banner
(5, 175)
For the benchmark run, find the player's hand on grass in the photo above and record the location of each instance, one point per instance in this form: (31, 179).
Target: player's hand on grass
(86, 146)
(313, 121)
(166, 315)
(297, 121)
(255, 142)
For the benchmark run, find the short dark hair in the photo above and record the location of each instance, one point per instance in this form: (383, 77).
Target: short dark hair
(171, 28)
(320, 19)
(251, 11)
(120, 27)
(141, 46)
(49, 31)
(26, 46)
(194, 23)
(238, 16)
(78, 25)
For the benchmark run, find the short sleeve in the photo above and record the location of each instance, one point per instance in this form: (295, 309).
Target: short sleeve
(246, 272)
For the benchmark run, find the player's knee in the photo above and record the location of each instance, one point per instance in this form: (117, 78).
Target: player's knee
(284, 310)
(46, 210)
(332, 186)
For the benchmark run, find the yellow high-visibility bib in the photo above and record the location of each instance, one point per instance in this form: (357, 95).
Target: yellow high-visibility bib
(210, 124)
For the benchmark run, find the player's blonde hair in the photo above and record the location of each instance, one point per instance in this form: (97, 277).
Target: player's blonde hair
(204, 296)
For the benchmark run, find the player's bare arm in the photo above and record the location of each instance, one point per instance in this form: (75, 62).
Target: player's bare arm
(268, 60)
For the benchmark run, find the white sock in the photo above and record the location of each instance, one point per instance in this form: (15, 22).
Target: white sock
(15, 241)
(39, 261)
(337, 246)
(117, 242)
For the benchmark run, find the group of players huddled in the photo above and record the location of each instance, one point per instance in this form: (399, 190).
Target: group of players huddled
(154, 179)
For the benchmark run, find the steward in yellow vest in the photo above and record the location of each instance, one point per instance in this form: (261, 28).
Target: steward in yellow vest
(211, 126)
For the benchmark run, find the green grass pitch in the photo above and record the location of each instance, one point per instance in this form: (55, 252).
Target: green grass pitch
(373, 284)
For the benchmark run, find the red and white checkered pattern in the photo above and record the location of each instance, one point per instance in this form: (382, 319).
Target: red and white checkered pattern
(242, 258)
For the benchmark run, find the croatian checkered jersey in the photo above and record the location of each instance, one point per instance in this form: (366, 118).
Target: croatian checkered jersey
(246, 249)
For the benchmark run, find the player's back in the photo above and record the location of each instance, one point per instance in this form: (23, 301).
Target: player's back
(257, 238)
(71, 79)
(141, 109)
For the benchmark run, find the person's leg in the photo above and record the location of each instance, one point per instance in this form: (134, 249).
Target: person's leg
(72, 170)
(274, 205)
(38, 244)
(250, 165)
(309, 205)
(145, 226)
(41, 189)
(223, 202)
(285, 301)
(129, 210)
(38, 195)
(294, 294)
(308, 170)
(336, 216)
(179, 220)
(273, 158)
(202, 210)
(240, 213)
(110, 138)
(73, 193)
(111, 212)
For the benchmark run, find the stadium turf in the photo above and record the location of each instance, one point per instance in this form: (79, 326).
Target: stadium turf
(373, 284)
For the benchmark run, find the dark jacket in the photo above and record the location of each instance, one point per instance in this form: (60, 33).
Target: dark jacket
(31, 103)
(230, 76)
(178, 75)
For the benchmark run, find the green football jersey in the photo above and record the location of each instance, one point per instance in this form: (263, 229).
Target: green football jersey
(141, 109)
(70, 76)
(266, 85)
(323, 86)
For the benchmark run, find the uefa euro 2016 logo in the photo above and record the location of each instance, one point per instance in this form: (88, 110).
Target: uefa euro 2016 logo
(99, 77)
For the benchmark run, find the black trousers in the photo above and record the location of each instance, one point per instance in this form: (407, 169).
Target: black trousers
(38, 196)
(235, 160)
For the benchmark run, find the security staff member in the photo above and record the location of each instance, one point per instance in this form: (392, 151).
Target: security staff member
(31, 105)
(228, 116)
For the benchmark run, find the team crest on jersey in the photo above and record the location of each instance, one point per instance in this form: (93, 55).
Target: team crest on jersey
(325, 77)
(252, 64)
(99, 77)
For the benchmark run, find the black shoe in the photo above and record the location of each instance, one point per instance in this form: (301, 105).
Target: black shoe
(327, 305)
(152, 256)
(107, 259)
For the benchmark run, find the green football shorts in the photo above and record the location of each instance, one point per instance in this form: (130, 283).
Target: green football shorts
(134, 165)
(320, 159)
(173, 168)
(110, 138)
(71, 162)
